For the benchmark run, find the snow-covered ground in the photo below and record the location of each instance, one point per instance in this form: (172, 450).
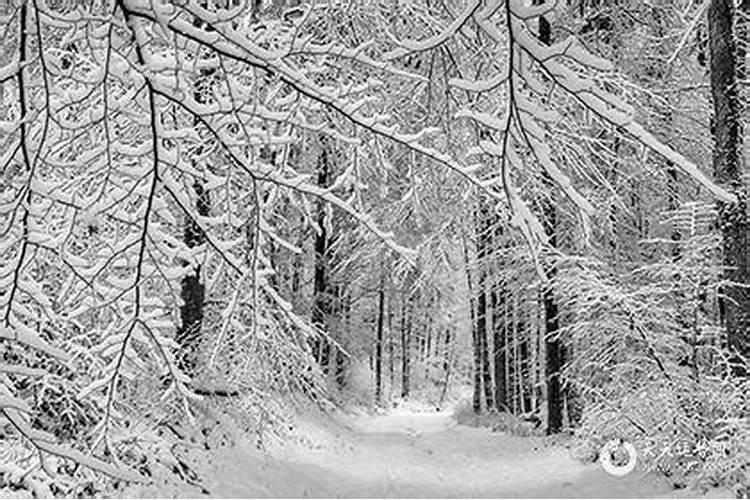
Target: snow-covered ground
(409, 454)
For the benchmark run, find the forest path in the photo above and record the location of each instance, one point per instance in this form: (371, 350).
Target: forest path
(405, 454)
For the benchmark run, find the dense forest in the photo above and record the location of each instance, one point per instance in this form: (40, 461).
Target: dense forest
(220, 213)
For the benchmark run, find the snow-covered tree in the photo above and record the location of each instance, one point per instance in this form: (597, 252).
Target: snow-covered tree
(168, 165)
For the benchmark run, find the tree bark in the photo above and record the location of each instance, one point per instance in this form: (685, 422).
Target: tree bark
(497, 299)
(510, 350)
(405, 341)
(446, 366)
(554, 348)
(477, 392)
(427, 354)
(489, 391)
(321, 299)
(379, 346)
(483, 225)
(340, 358)
(192, 289)
(525, 359)
(391, 340)
(481, 341)
(726, 68)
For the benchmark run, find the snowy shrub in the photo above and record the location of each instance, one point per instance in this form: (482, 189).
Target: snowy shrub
(697, 439)
(650, 367)
(710, 444)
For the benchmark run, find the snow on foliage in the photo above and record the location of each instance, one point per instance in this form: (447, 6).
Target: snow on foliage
(132, 120)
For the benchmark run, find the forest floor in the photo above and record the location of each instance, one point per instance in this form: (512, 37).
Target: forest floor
(411, 454)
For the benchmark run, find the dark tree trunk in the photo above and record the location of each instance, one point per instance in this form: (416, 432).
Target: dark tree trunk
(192, 289)
(446, 366)
(524, 361)
(321, 299)
(484, 350)
(691, 322)
(516, 368)
(553, 345)
(538, 338)
(554, 348)
(674, 204)
(482, 218)
(340, 358)
(379, 346)
(421, 343)
(499, 333)
(554, 364)
(298, 264)
(391, 341)
(434, 346)
(405, 341)
(477, 393)
(726, 69)
(426, 357)
(497, 304)
(510, 351)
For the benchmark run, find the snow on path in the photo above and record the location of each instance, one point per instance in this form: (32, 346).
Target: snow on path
(419, 455)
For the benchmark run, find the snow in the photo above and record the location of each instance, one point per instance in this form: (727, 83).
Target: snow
(411, 454)
(408, 46)
(604, 104)
(8, 71)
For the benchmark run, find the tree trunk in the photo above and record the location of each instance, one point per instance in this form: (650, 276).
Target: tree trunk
(446, 366)
(298, 265)
(537, 379)
(554, 347)
(426, 357)
(726, 69)
(517, 378)
(674, 205)
(484, 351)
(481, 331)
(477, 393)
(379, 346)
(321, 299)
(499, 333)
(340, 358)
(405, 341)
(192, 289)
(510, 342)
(524, 361)
(391, 371)
(553, 365)
(482, 221)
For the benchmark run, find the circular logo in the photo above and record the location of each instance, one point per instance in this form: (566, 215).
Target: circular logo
(618, 457)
